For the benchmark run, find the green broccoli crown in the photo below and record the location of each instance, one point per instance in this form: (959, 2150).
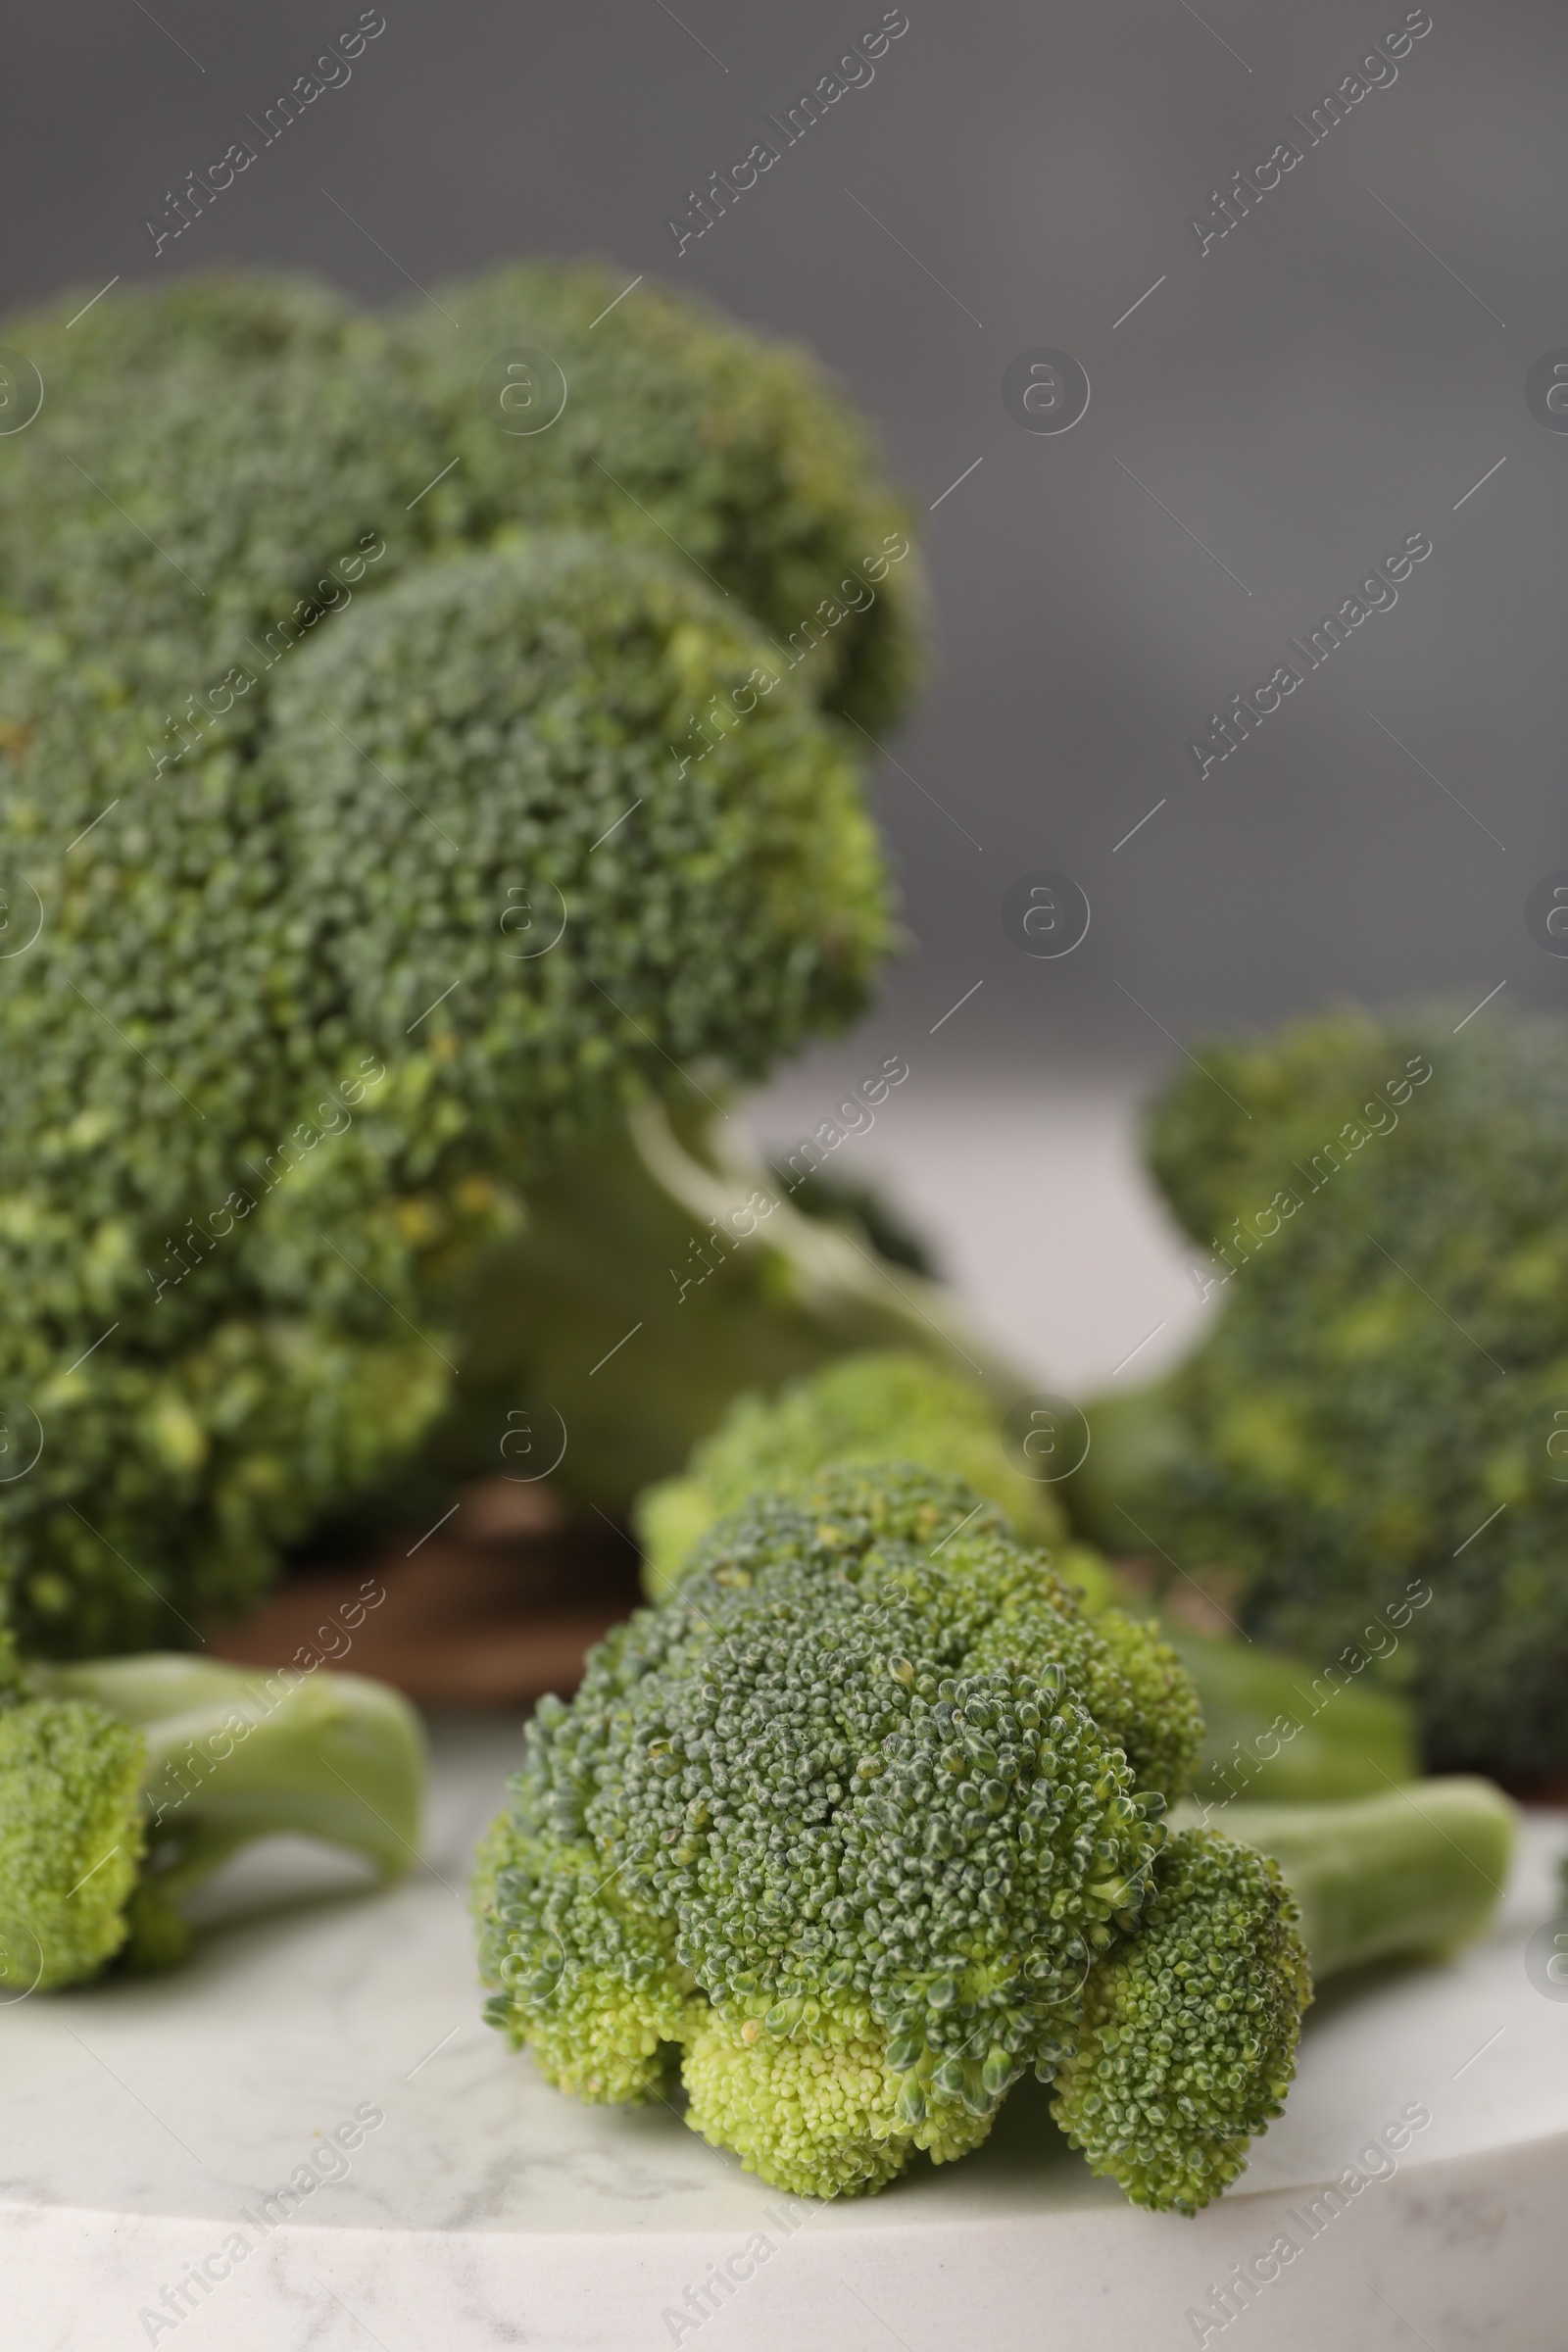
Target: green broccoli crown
(124, 1783)
(1389, 1370)
(272, 426)
(368, 834)
(876, 1406)
(842, 1825)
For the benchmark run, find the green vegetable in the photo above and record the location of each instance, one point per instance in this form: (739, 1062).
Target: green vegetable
(1417, 1871)
(124, 1783)
(307, 758)
(861, 1823)
(1274, 1729)
(1367, 1437)
(873, 1407)
(672, 1230)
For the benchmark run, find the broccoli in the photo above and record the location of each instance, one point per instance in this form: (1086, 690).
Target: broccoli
(1268, 1731)
(124, 1783)
(861, 1824)
(868, 1407)
(370, 775)
(1367, 1436)
(1415, 1873)
(1275, 1732)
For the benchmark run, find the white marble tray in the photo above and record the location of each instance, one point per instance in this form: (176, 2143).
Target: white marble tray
(141, 2122)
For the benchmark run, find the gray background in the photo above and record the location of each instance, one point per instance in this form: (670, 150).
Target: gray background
(1302, 397)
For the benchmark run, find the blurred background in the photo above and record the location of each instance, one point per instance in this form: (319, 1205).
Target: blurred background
(1267, 419)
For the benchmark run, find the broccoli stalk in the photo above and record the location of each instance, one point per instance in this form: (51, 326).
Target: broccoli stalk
(124, 1783)
(1415, 1871)
(672, 1225)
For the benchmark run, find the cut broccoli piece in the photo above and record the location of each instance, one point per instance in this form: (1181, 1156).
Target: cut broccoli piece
(1366, 1436)
(865, 1817)
(124, 1783)
(844, 1824)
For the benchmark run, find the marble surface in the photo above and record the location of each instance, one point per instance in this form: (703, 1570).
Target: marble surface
(142, 2127)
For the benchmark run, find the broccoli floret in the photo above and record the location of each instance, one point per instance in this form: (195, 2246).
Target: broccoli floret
(335, 761)
(124, 1783)
(1155, 2096)
(71, 1838)
(1188, 2043)
(742, 451)
(1368, 1435)
(860, 1824)
(275, 424)
(821, 2106)
(873, 1407)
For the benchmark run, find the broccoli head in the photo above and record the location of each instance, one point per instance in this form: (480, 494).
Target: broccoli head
(862, 1824)
(1369, 1434)
(370, 776)
(124, 1783)
(880, 1405)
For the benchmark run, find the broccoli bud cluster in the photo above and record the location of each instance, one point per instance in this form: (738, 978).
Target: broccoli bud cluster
(347, 872)
(1370, 1435)
(856, 1829)
(1189, 2027)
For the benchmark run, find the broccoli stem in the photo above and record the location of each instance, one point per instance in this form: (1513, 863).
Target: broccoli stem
(233, 1755)
(830, 1274)
(1274, 1739)
(1138, 1445)
(1417, 1872)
